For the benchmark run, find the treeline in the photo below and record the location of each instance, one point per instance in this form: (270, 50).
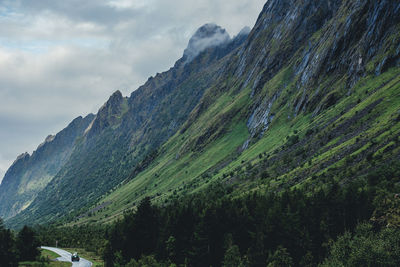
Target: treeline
(89, 237)
(24, 246)
(290, 228)
(352, 223)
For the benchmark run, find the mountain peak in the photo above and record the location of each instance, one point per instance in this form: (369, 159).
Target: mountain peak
(109, 114)
(22, 156)
(116, 94)
(208, 35)
(48, 139)
(245, 31)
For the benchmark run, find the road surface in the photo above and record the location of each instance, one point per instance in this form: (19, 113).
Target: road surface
(66, 256)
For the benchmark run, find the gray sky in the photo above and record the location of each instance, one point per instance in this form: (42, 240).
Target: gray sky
(60, 59)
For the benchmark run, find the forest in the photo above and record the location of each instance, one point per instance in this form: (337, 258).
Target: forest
(289, 228)
(18, 247)
(341, 224)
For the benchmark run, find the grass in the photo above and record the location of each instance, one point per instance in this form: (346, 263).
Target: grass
(90, 256)
(171, 173)
(50, 256)
(384, 87)
(40, 264)
(181, 169)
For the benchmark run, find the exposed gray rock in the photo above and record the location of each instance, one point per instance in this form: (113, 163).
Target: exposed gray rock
(109, 114)
(260, 119)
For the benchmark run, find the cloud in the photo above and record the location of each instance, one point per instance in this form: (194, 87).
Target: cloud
(209, 35)
(61, 59)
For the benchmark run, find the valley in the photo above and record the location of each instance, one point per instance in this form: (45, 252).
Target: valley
(277, 147)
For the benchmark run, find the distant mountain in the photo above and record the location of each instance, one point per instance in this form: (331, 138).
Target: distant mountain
(30, 174)
(312, 89)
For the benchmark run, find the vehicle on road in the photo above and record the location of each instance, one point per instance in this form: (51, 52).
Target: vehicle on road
(75, 257)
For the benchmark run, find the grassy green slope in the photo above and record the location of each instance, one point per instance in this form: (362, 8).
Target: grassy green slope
(345, 137)
(331, 116)
(181, 167)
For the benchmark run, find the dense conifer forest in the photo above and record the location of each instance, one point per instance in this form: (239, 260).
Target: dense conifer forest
(349, 224)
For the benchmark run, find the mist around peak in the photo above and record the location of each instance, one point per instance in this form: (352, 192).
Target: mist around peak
(209, 35)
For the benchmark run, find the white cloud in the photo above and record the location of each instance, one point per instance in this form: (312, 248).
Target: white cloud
(130, 4)
(61, 59)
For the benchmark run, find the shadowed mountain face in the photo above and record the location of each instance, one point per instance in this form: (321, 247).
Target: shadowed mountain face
(30, 174)
(306, 66)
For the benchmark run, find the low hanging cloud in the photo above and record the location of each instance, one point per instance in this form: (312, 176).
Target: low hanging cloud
(62, 59)
(209, 35)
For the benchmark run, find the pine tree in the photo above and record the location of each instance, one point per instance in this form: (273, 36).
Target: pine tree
(27, 244)
(7, 247)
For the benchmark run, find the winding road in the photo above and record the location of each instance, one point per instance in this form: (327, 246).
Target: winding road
(66, 256)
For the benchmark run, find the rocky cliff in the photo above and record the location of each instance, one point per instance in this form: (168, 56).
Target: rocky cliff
(318, 43)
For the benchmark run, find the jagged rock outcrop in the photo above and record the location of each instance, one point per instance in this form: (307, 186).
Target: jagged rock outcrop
(318, 41)
(349, 45)
(109, 114)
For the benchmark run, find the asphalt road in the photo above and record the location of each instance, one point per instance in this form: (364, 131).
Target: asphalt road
(66, 256)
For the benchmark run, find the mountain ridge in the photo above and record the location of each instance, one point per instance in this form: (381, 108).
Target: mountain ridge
(29, 174)
(126, 122)
(279, 107)
(281, 124)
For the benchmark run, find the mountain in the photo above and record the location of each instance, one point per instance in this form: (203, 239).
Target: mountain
(29, 174)
(308, 95)
(126, 129)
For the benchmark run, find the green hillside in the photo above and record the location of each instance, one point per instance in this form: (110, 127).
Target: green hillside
(343, 141)
(290, 127)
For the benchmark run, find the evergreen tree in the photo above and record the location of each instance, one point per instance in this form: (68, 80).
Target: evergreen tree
(280, 258)
(232, 257)
(7, 247)
(27, 245)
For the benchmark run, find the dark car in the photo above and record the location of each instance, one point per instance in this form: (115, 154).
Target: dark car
(75, 257)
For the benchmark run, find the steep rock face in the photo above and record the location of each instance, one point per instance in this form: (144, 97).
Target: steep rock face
(109, 114)
(352, 44)
(29, 174)
(282, 27)
(126, 130)
(317, 42)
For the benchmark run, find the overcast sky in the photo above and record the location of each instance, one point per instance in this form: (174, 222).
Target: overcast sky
(60, 59)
